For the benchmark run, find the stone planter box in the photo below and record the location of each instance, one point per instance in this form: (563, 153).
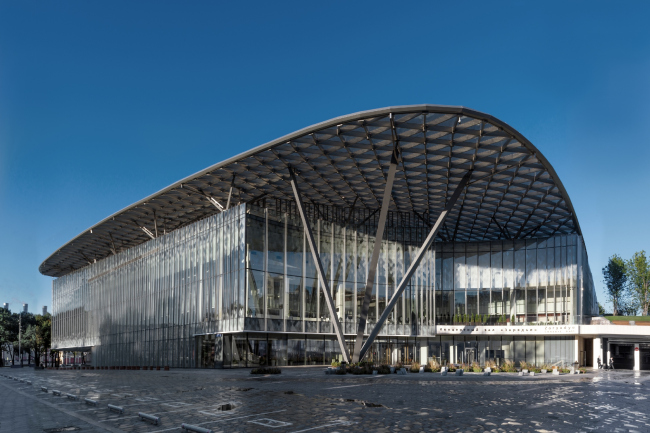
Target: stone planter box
(544, 371)
(459, 372)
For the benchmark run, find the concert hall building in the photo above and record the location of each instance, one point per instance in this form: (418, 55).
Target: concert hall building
(428, 231)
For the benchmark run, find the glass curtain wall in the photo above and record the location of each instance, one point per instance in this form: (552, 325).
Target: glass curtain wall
(250, 269)
(144, 305)
(523, 281)
(280, 264)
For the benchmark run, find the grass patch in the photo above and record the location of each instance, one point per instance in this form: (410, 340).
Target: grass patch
(627, 318)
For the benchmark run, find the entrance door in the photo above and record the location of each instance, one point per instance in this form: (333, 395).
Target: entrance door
(470, 355)
(589, 352)
(207, 351)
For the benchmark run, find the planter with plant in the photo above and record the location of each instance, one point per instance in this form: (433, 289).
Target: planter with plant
(266, 370)
(433, 366)
(383, 369)
(509, 367)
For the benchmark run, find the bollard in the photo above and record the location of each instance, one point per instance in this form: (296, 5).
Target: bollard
(55, 392)
(194, 428)
(146, 417)
(44, 389)
(114, 408)
(90, 402)
(72, 396)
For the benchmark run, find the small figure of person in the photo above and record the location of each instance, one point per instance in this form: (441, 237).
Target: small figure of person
(600, 364)
(611, 363)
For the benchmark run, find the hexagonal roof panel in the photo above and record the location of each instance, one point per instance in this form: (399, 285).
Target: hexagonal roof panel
(513, 193)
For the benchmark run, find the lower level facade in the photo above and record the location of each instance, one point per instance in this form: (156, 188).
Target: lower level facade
(239, 289)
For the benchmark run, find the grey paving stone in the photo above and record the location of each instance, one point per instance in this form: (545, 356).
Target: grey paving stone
(596, 402)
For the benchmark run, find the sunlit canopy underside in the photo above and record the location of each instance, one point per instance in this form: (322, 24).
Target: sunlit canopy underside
(514, 192)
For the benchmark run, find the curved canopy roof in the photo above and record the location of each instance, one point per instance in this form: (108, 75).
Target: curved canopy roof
(513, 193)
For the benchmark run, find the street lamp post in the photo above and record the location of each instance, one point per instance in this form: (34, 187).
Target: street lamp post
(20, 332)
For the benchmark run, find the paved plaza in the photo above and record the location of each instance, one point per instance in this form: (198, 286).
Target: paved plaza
(307, 400)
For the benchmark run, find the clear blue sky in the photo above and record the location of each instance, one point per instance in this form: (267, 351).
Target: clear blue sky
(104, 103)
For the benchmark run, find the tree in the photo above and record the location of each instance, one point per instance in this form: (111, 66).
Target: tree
(22, 345)
(616, 282)
(601, 310)
(8, 332)
(29, 341)
(43, 337)
(638, 274)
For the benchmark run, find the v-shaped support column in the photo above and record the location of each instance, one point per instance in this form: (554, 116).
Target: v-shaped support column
(372, 267)
(414, 264)
(324, 285)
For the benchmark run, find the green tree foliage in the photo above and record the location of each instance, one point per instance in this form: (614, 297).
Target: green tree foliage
(638, 274)
(8, 332)
(616, 282)
(36, 334)
(43, 335)
(23, 345)
(601, 310)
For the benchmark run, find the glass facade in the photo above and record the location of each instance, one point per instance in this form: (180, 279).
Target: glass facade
(144, 306)
(241, 289)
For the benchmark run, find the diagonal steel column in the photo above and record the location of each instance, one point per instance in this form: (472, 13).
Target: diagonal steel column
(372, 267)
(415, 263)
(232, 185)
(324, 285)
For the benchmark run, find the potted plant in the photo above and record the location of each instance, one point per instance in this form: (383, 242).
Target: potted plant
(433, 366)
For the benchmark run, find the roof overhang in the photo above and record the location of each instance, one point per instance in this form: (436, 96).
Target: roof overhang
(514, 192)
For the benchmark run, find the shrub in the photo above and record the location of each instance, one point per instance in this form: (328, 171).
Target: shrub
(432, 366)
(266, 370)
(524, 365)
(362, 368)
(564, 370)
(398, 365)
(547, 367)
(335, 363)
(509, 367)
(383, 369)
(451, 368)
(476, 368)
(495, 369)
(415, 367)
(583, 370)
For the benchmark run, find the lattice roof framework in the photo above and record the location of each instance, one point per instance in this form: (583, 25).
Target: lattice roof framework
(514, 192)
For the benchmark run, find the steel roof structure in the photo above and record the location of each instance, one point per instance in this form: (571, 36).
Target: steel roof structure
(514, 192)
